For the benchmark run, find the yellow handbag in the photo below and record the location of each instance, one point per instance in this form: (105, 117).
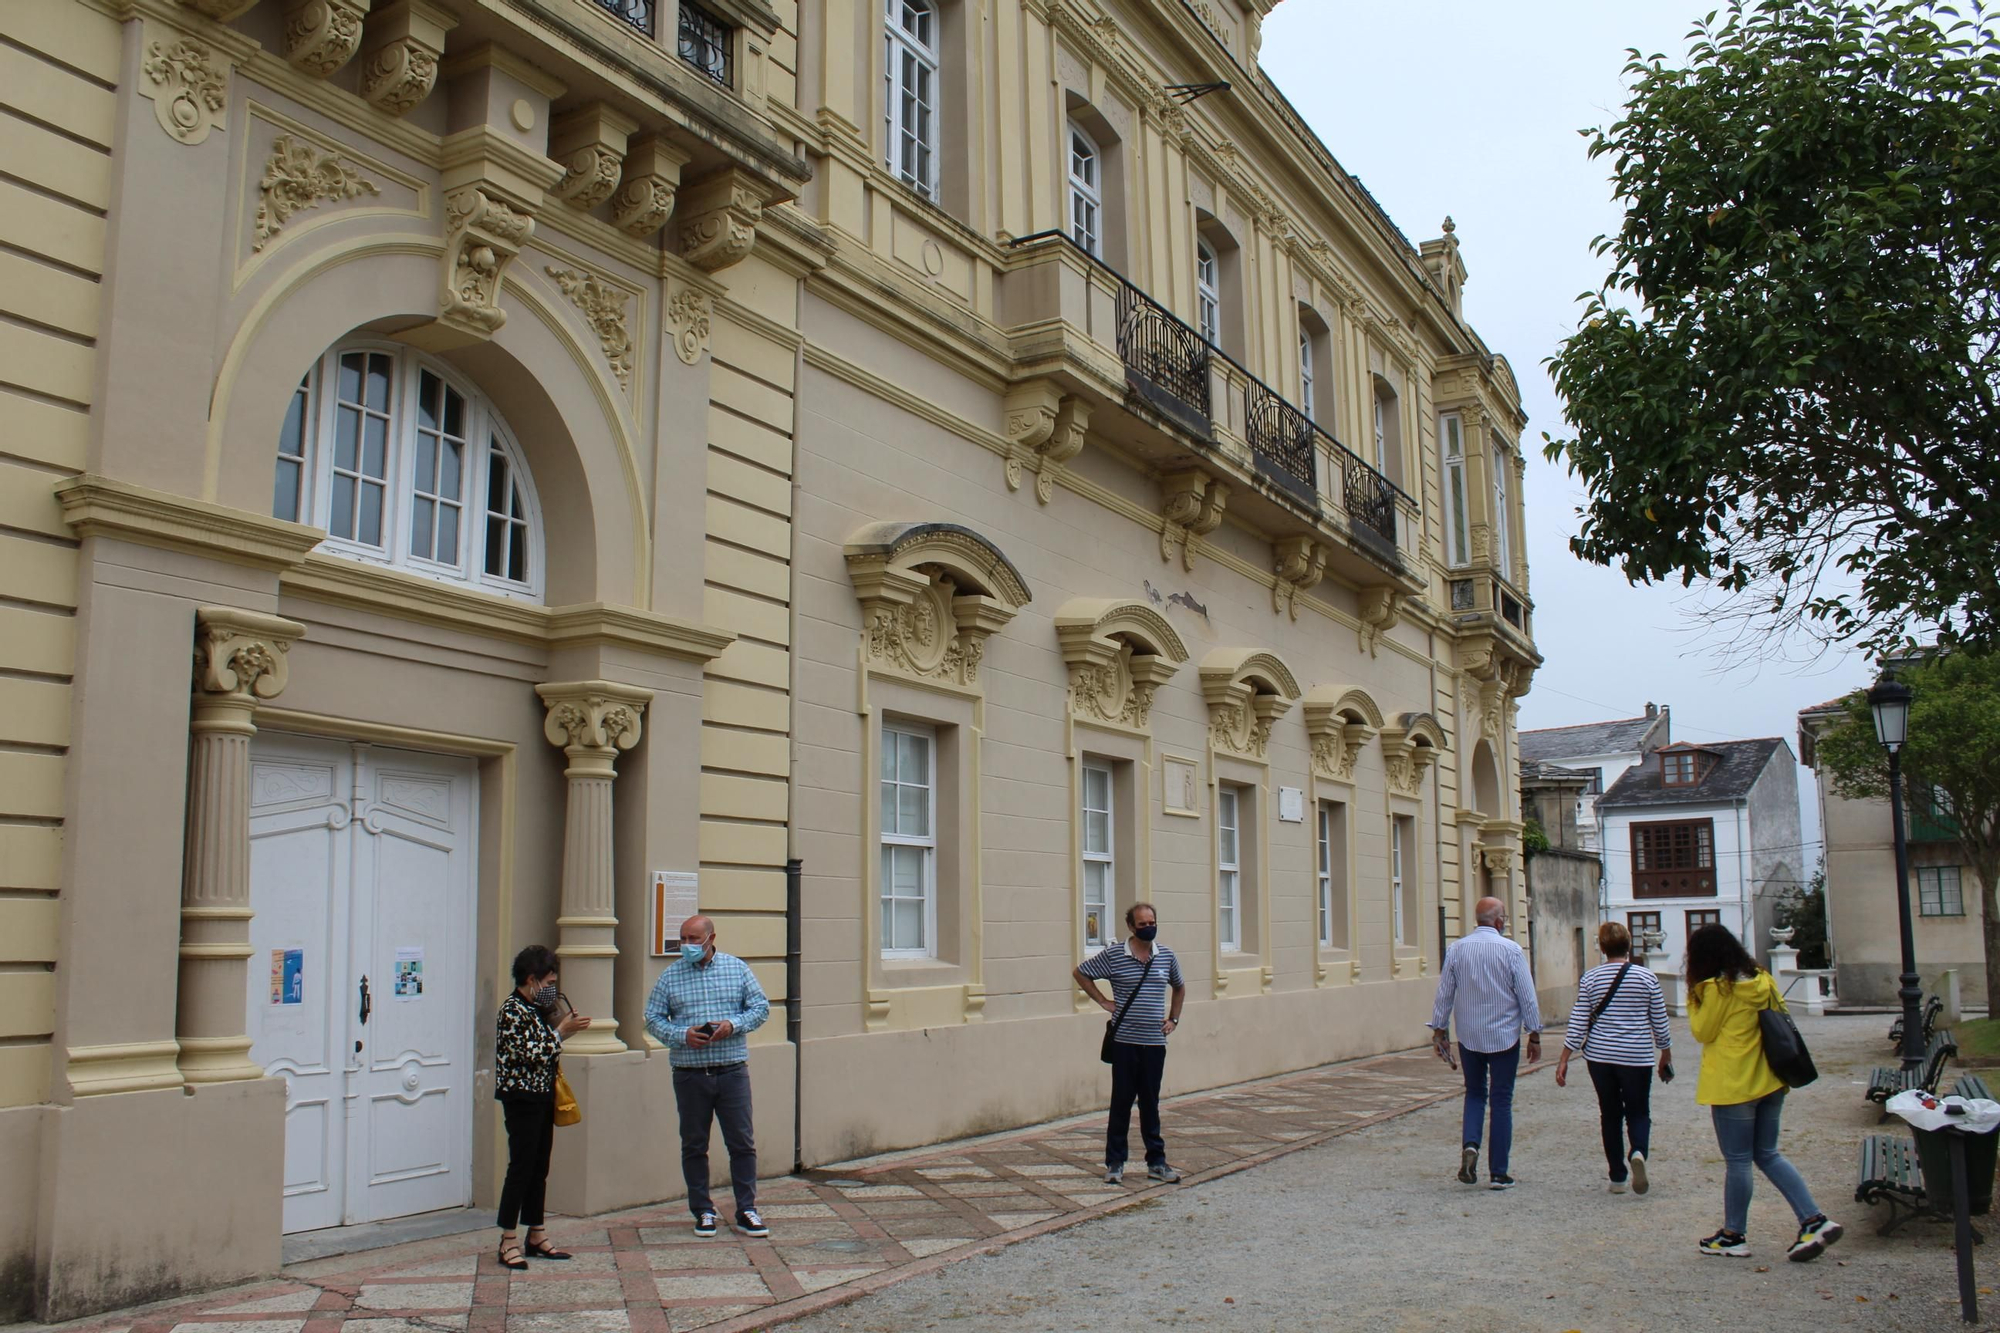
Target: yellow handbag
(567, 1111)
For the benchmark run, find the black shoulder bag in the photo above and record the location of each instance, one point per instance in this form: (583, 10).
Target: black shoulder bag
(1604, 1003)
(1111, 1025)
(1784, 1049)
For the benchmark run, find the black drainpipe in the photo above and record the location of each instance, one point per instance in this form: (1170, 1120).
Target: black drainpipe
(794, 1008)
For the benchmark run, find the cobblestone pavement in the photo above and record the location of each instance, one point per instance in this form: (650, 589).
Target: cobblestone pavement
(833, 1236)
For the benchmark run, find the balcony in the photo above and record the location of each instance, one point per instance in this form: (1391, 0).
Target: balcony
(1075, 318)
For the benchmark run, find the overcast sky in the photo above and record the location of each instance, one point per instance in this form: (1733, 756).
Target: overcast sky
(1472, 110)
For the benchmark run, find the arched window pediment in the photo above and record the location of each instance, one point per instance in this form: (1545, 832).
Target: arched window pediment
(1119, 653)
(1247, 691)
(931, 595)
(1340, 722)
(1411, 744)
(402, 462)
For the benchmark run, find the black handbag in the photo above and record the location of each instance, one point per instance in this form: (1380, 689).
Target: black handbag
(1784, 1049)
(1111, 1025)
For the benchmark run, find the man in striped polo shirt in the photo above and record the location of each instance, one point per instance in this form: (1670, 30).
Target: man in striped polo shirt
(1139, 1048)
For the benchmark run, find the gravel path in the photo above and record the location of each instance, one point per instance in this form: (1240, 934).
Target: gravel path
(1372, 1231)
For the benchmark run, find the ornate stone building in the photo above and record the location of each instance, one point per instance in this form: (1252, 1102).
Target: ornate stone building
(473, 467)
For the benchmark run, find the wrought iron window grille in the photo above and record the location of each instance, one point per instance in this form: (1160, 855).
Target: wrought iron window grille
(707, 43)
(637, 13)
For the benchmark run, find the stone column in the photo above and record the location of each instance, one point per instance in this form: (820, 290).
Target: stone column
(240, 658)
(592, 720)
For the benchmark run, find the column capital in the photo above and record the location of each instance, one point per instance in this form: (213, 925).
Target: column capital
(593, 715)
(242, 654)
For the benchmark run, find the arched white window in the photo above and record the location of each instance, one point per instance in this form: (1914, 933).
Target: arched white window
(910, 69)
(1086, 192)
(404, 464)
(1207, 292)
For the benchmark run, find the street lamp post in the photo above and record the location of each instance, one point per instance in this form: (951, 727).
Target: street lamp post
(1890, 702)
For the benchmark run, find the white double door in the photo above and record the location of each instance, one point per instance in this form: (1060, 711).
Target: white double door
(361, 982)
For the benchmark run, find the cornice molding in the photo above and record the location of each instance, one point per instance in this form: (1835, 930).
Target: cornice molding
(97, 506)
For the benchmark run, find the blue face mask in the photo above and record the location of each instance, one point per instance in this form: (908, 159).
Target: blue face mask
(1146, 933)
(698, 954)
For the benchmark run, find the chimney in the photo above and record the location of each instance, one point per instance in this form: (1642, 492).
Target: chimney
(1652, 710)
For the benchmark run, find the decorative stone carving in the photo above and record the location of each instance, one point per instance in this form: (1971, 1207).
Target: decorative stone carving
(939, 634)
(1499, 860)
(240, 659)
(719, 221)
(189, 84)
(652, 175)
(1045, 430)
(923, 614)
(1119, 654)
(1339, 725)
(1298, 564)
(323, 35)
(1410, 745)
(1064, 443)
(222, 11)
(1378, 609)
(299, 176)
(603, 307)
(404, 40)
(589, 143)
(687, 315)
(1246, 692)
(483, 234)
(1191, 505)
(592, 720)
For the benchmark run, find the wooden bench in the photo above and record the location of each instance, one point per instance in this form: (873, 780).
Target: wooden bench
(1932, 1008)
(1971, 1086)
(1885, 1083)
(1890, 1174)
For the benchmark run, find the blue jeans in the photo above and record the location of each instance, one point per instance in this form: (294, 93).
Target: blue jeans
(1489, 1077)
(1748, 1133)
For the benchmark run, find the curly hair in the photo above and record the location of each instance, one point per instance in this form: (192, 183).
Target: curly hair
(537, 960)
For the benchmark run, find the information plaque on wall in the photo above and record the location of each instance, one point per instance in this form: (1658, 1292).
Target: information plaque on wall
(1291, 805)
(676, 897)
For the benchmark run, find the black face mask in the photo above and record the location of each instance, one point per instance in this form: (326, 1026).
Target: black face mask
(1146, 933)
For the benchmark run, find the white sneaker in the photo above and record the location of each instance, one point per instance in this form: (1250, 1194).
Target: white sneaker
(1617, 1187)
(1637, 1161)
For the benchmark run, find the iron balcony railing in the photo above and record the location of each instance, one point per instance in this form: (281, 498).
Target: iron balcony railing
(1168, 364)
(638, 13)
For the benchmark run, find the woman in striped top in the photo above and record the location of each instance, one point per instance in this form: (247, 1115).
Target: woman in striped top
(1618, 1022)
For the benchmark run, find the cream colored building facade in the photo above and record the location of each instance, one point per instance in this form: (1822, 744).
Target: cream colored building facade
(469, 466)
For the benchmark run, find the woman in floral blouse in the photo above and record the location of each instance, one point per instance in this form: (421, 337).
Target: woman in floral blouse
(526, 1053)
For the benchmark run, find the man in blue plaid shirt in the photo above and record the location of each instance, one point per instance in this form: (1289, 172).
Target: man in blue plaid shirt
(702, 1008)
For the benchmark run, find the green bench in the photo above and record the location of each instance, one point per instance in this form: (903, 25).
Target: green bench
(1970, 1087)
(1885, 1083)
(1932, 1008)
(1890, 1174)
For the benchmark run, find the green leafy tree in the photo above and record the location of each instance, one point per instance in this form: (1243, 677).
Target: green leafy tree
(1954, 747)
(1804, 910)
(1788, 387)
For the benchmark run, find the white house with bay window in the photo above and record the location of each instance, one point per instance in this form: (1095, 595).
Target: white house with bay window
(1695, 834)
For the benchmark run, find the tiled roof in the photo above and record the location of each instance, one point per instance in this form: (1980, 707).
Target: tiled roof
(1626, 735)
(1739, 765)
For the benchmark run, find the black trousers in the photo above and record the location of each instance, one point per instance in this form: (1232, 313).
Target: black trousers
(1624, 1099)
(531, 1134)
(1135, 1076)
(723, 1095)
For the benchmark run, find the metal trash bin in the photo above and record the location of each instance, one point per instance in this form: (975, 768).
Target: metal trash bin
(1934, 1155)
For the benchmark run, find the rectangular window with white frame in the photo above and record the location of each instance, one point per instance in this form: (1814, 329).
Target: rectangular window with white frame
(909, 841)
(1100, 856)
(1229, 868)
(1503, 542)
(1086, 192)
(1940, 891)
(1403, 879)
(910, 72)
(1330, 846)
(1457, 532)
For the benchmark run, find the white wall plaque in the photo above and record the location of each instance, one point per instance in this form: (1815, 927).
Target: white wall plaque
(1291, 805)
(1180, 787)
(676, 897)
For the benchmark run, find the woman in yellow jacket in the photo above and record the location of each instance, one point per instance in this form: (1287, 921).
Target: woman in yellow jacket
(1726, 989)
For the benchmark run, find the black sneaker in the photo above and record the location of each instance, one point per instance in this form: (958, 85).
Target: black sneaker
(704, 1225)
(1468, 1165)
(1730, 1243)
(751, 1223)
(1501, 1182)
(1814, 1236)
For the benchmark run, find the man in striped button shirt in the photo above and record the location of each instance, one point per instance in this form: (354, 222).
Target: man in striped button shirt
(1139, 1048)
(702, 1008)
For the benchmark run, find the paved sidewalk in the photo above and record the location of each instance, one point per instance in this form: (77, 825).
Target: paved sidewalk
(835, 1235)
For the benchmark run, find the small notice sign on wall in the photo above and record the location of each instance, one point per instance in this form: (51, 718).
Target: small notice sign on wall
(676, 897)
(1291, 805)
(288, 976)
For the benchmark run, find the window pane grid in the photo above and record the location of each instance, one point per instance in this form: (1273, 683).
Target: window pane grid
(1674, 859)
(1940, 891)
(1325, 875)
(909, 842)
(1502, 525)
(1457, 539)
(1086, 196)
(910, 99)
(1396, 875)
(438, 484)
(1099, 861)
(1306, 375)
(288, 490)
(361, 448)
(1229, 877)
(1208, 293)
